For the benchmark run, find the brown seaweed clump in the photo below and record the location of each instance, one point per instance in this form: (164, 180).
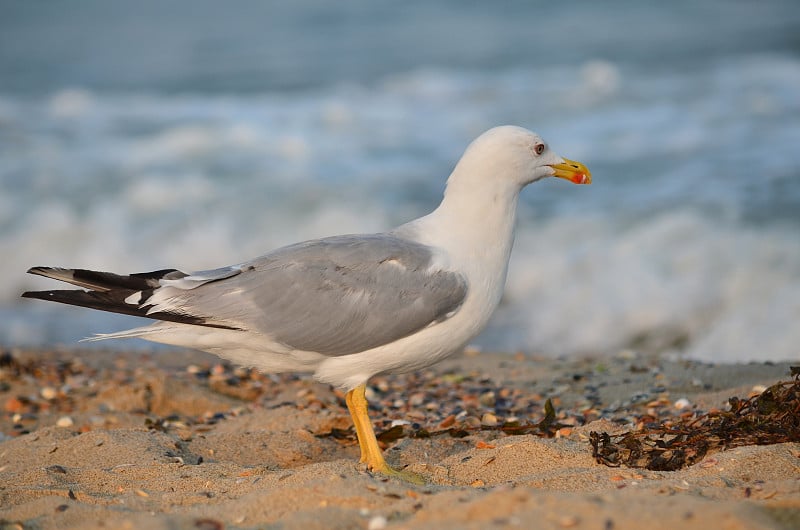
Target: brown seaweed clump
(769, 418)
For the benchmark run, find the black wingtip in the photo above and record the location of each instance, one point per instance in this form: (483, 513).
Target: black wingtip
(38, 295)
(114, 302)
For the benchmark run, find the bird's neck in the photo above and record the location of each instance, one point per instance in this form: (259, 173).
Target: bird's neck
(473, 225)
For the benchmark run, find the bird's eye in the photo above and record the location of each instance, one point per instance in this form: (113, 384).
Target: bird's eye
(538, 148)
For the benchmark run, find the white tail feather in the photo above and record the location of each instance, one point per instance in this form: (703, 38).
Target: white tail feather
(142, 332)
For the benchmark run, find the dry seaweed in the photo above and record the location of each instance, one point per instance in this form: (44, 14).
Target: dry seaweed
(545, 428)
(768, 418)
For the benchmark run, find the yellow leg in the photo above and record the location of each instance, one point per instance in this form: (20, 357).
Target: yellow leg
(357, 422)
(370, 452)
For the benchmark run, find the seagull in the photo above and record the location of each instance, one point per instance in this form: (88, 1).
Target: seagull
(348, 307)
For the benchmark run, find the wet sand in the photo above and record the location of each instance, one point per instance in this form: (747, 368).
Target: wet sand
(173, 440)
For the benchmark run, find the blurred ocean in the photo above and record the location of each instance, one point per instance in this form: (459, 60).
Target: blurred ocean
(143, 135)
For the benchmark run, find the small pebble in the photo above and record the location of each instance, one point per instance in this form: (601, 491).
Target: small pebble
(48, 393)
(563, 432)
(13, 405)
(447, 422)
(472, 421)
(416, 399)
(489, 419)
(193, 369)
(682, 403)
(64, 421)
(378, 522)
(487, 399)
(415, 415)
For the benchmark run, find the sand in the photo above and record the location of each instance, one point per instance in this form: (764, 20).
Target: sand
(174, 439)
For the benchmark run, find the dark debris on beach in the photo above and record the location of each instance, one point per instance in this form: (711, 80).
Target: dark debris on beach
(770, 417)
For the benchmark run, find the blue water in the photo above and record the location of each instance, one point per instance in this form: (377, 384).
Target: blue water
(196, 134)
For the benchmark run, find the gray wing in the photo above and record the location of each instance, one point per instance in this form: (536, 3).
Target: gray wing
(334, 296)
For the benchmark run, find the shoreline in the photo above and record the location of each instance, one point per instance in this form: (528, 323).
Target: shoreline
(178, 439)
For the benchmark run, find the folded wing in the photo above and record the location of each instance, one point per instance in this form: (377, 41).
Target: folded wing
(333, 296)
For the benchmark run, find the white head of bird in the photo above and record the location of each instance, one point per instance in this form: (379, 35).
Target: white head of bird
(509, 158)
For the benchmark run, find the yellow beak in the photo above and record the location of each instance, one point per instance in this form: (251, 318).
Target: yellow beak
(572, 171)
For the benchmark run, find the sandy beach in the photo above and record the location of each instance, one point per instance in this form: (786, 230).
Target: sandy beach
(114, 439)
